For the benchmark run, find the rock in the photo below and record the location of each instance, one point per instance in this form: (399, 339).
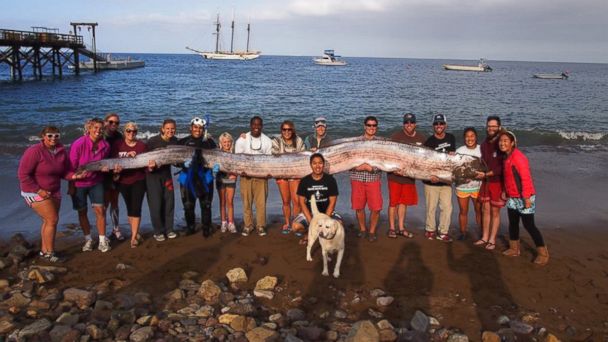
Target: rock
(374, 313)
(123, 301)
(204, 311)
(420, 321)
(39, 276)
(6, 327)
(551, 338)
(237, 275)
(18, 252)
(95, 332)
(385, 324)
(35, 328)
(242, 308)
(188, 285)
(5, 262)
(243, 323)
(503, 320)
(58, 332)
(82, 298)
(209, 291)
(377, 293)
(384, 301)
(311, 333)
(17, 300)
(4, 284)
(295, 315)
(141, 334)
(122, 333)
(263, 294)
(189, 275)
(291, 338)
(434, 321)
(72, 335)
(275, 317)
(68, 319)
(266, 283)
(175, 295)
(363, 331)
(388, 335)
(144, 320)
(331, 335)
(521, 327)
(458, 338)
(339, 314)
(122, 267)
(490, 336)
(260, 334)
(227, 318)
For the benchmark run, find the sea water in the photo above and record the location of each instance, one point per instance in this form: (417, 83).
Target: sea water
(561, 124)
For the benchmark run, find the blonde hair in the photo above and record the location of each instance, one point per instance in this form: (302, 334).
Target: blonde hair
(131, 125)
(227, 136)
(90, 123)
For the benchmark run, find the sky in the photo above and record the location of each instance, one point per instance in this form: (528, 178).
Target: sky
(518, 30)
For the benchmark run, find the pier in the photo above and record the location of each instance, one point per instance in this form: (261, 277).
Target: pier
(43, 46)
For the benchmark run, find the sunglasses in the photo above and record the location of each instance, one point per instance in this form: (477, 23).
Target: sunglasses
(112, 122)
(53, 135)
(438, 123)
(287, 129)
(131, 130)
(409, 123)
(371, 125)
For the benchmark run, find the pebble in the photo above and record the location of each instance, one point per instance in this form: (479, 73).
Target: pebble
(141, 334)
(384, 301)
(266, 283)
(35, 328)
(363, 331)
(237, 275)
(420, 321)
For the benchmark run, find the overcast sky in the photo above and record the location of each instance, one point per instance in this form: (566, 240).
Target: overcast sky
(529, 30)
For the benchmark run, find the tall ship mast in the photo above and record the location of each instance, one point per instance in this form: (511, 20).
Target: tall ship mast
(232, 54)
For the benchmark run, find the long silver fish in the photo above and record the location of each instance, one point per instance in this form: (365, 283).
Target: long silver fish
(404, 159)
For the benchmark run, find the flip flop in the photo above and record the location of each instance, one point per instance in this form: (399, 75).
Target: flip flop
(480, 242)
(490, 246)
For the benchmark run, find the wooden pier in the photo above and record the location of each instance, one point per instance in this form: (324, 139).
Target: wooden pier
(20, 49)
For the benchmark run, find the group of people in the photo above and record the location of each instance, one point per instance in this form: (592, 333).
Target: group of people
(44, 165)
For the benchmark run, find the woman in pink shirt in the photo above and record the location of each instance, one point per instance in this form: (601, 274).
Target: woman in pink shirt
(40, 172)
(521, 198)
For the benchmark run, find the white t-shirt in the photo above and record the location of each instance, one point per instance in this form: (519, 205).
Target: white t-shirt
(473, 185)
(252, 145)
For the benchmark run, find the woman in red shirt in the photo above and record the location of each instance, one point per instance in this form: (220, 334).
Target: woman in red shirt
(521, 198)
(131, 183)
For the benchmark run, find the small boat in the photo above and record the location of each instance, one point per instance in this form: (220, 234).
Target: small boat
(228, 55)
(562, 76)
(482, 66)
(329, 59)
(112, 64)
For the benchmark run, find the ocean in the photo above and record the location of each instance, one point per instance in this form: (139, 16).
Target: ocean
(562, 125)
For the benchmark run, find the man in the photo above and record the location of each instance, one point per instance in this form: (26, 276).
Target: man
(491, 192)
(325, 189)
(402, 190)
(366, 187)
(254, 191)
(436, 192)
(196, 181)
(319, 139)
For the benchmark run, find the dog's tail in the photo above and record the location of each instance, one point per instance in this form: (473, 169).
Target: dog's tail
(313, 205)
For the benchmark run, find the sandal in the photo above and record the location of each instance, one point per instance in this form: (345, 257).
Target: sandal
(286, 229)
(490, 246)
(134, 243)
(392, 234)
(373, 237)
(362, 234)
(406, 234)
(480, 242)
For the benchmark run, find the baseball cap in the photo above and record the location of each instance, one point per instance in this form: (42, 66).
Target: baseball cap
(439, 118)
(409, 117)
(320, 121)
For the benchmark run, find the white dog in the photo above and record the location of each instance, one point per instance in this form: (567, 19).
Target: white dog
(330, 233)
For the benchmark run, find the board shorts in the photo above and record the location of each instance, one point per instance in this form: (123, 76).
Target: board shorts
(363, 193)
(32, 197)
(492, 192)
(402, 194)
(467, 194)
(519, 205)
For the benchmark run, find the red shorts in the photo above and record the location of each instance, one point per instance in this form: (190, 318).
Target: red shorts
(492, 192)
(362, 193)
(402, 194)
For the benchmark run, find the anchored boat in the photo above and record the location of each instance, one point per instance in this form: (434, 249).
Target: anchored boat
(329, 58)
(113, 63)
(562, 76)
(228, 55)
(482, 66)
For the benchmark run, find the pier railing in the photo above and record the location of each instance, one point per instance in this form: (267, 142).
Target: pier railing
(14, 37)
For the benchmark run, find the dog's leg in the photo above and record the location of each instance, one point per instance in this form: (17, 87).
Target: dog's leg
(338, 262)
(325, 270)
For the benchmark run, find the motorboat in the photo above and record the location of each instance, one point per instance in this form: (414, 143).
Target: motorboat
(329, 59)
(562, 76)
(110, 63)
(482, 66)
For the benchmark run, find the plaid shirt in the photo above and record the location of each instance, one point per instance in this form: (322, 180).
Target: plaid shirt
(365, 176)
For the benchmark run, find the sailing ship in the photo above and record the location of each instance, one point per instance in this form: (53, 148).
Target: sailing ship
(228, 55)
(482, 66)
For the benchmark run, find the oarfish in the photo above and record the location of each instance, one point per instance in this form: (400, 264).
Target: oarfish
(404, 159)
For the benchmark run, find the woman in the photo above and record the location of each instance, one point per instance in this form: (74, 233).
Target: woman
(40, 172)
(112, 135)
(159, 185)
(521, 198)
(470, 189)
(226, 186)
(131, 183)
(288, 142)
(89, 148)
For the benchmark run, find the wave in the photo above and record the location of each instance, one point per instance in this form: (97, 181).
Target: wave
(585, 136)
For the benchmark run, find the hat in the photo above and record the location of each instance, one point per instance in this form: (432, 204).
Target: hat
(198, 122)
(439, 118)
(409, 117)
(320, 121)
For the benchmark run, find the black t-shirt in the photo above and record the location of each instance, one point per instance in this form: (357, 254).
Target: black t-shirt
(157, 142)
(322, 189)
(445, 145)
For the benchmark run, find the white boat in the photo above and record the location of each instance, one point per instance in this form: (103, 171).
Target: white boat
(562, 76)
(112, 64)
(228, 55)
(329, 58)
(482, 66)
